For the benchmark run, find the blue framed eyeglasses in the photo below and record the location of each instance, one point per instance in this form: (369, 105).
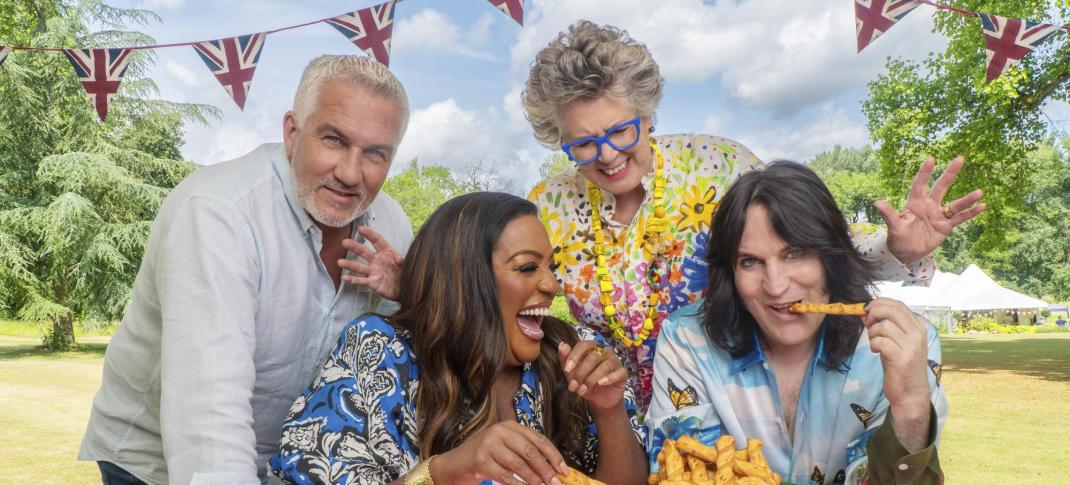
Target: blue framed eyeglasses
(587, 149)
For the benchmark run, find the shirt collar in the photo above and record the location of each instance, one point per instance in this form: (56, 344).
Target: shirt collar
(284, 172)
(755, 355)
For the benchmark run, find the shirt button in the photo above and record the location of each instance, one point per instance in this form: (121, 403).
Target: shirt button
(903, 466)
(765, 365)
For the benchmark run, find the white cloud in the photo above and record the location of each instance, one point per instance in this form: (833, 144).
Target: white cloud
(183, 74)
(166, 4)
(714, 124)
(480, 31)
(431, 30)
(801, 139)
(446, 134)
(772, 54)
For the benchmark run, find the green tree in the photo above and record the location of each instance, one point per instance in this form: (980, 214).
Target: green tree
(853, 177)
(555, 164)
(77, 196)
(420, 190)
(1038, 260)
(942, 107)
(75, 256)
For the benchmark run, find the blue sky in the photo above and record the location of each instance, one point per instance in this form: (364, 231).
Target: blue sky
(782, 77)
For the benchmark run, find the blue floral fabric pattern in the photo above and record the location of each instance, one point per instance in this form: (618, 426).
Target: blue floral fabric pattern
(356, 424)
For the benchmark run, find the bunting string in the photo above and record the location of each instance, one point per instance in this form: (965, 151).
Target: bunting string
(233, 60)
(1007, 40)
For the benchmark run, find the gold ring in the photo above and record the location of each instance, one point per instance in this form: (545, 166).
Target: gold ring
(947, 211)
(601, 351)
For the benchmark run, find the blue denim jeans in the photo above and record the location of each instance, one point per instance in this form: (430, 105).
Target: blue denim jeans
(112, 474)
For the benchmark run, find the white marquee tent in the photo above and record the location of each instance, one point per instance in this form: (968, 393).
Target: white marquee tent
(971, 291)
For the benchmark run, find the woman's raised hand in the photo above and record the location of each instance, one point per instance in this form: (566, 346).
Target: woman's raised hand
(594, 372)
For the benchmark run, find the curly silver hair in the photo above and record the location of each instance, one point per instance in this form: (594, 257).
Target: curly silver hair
(585, 62)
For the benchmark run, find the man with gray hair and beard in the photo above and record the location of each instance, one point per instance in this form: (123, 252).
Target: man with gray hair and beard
(240, 295)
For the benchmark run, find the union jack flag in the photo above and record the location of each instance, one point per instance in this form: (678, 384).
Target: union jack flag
(233, 61)
(875, 17)
(101, 71)
(370, 29)
(1008, 41)
(512, 8)
(4, 51)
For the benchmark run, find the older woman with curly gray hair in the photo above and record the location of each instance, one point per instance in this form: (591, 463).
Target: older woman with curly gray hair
(629, 222)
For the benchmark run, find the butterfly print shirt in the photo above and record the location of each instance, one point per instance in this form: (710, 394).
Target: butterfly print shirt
(841, 430)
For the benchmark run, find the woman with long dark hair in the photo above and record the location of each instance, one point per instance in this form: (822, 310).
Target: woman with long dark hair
(471, 380)
(828, 394)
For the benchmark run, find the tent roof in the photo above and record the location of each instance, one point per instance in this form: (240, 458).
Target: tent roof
(971, 290)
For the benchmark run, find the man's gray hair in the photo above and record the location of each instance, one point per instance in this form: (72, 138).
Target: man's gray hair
(360, 72)
(585, 62)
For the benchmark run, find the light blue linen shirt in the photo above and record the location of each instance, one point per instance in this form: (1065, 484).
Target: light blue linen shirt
(702, 391)
(232, 314)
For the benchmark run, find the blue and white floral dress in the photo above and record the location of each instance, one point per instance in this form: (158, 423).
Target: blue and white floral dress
(356, 424)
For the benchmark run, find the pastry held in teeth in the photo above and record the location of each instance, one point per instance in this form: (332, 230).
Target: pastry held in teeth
(858, 309)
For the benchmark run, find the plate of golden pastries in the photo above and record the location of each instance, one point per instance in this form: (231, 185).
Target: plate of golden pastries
(687, 461)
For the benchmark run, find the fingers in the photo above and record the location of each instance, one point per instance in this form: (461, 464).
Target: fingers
(512, 463)
(967, 214)
(577, 353)
(962, 210)
(584, 360)
(615, 376)
(943, 183)
(359, 249)
(883, 346)
(500, 474)
(378, 241)
(354, 266)
(537, 451)
(887, 213)
(563, 351)
(919, 187)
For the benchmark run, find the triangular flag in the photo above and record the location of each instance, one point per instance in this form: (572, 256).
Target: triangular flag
(4, 51)
(875, 17)
(512, 8)
(101, 71)
(370, 29)
(233, 61)
(1008, 41)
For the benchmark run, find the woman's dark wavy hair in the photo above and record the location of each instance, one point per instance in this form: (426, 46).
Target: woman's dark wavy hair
(449, 304)
(804, 214)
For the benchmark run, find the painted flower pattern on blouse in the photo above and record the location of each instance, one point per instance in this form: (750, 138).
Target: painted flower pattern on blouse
(699, 169)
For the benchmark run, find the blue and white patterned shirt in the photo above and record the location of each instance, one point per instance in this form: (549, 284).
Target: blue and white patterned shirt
(356, 424)
(702, 391)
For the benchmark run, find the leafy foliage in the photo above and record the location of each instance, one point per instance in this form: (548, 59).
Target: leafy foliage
(942, 107)
(852, 175)
(77, 197)
(420, 190)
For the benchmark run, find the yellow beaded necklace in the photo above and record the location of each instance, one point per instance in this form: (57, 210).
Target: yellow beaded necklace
(657, 227)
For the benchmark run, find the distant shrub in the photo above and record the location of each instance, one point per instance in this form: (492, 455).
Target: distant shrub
(1052, 328)
(980, 324)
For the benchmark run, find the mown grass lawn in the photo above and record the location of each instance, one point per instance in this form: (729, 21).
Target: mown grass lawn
(1010, 403)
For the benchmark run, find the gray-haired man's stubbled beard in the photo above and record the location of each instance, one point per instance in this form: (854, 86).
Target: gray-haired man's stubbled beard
(306, 195)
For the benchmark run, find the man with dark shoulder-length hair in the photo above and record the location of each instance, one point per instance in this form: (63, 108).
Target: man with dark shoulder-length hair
(791, 349)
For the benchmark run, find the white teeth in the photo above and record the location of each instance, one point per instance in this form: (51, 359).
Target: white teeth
(616, 170)
(536, 312)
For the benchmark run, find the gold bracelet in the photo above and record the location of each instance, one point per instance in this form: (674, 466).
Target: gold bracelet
(421, 473)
